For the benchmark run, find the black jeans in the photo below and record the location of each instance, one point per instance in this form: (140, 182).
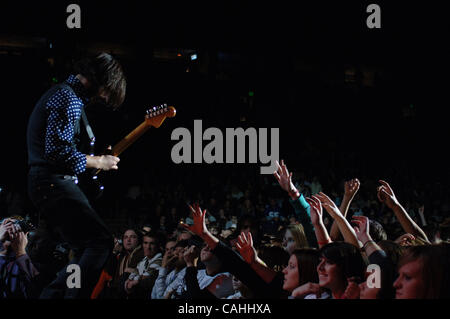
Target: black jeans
(67, 212)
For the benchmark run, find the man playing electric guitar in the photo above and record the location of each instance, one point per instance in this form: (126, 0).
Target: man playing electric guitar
(55, 161)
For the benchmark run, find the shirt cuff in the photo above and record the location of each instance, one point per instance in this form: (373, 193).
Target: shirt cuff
(78, 163)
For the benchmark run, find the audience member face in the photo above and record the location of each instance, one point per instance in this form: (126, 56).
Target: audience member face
(179, 252)
(291, 277)
(169, 249)
(366, 292)
(288, 242)
(206, 254)
(410, 284)
(130, 240)
(329, 275)
(150, 247)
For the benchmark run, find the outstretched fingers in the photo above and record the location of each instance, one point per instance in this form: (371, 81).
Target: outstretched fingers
(285, 170)
(313, 202)
(277, 176)
(250, 239)
(386, 186)
(324, 198)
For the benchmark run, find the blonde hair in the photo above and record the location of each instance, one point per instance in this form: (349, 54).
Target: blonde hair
(298, 234)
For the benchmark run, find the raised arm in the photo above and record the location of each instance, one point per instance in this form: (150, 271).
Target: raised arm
(199, 227)
(284, 178)
(231, 260)
(386, 195)
(363, 235)
(191, 255)
(317, 221)
(301, 206)
(344, 226)
(249, 254)
(351, 187)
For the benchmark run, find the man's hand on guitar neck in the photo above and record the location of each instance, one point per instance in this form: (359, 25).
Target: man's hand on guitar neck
(103, 162)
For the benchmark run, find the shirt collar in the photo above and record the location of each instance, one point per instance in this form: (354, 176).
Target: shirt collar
(77, 86)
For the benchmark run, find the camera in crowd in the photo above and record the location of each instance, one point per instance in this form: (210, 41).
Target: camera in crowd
(24, 225)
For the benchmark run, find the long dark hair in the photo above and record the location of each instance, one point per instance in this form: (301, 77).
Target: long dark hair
(307, 262)
(104, 71)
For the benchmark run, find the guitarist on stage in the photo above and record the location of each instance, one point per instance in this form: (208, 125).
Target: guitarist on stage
(55, 161)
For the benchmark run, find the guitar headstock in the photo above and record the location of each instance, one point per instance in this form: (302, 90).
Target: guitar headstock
(155, 116)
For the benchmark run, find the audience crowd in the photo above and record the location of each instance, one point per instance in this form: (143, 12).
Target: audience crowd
(291, 235)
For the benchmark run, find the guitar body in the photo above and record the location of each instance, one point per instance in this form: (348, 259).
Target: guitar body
(89, 181)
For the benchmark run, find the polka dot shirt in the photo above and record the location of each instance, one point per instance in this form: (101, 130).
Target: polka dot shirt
(63, 112)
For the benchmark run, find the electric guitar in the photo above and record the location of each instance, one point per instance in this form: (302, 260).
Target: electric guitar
(154, 117)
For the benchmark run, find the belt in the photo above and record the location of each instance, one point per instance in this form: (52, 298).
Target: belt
(51, 171)
(72, 178)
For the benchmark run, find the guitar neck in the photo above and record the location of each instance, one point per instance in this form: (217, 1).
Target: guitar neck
(129, 139)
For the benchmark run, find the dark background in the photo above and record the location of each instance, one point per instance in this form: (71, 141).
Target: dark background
(355, 101)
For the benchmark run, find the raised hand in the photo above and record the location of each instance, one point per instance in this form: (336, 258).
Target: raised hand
(19, 244)
(362, 228)
(329, 205)
(199, 226)
(284, 178)
(316, 210)
(351, 187)
(405, 239)
(190, 256)
(344, 226)
(386, 195)
(167, 259)
(316, 219)
(245, 247)
(5, 228)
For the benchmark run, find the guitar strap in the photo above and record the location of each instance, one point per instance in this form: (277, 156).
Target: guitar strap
(88, 130)
(85, 121)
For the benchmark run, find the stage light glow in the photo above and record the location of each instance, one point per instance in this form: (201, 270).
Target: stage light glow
(194, 57)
